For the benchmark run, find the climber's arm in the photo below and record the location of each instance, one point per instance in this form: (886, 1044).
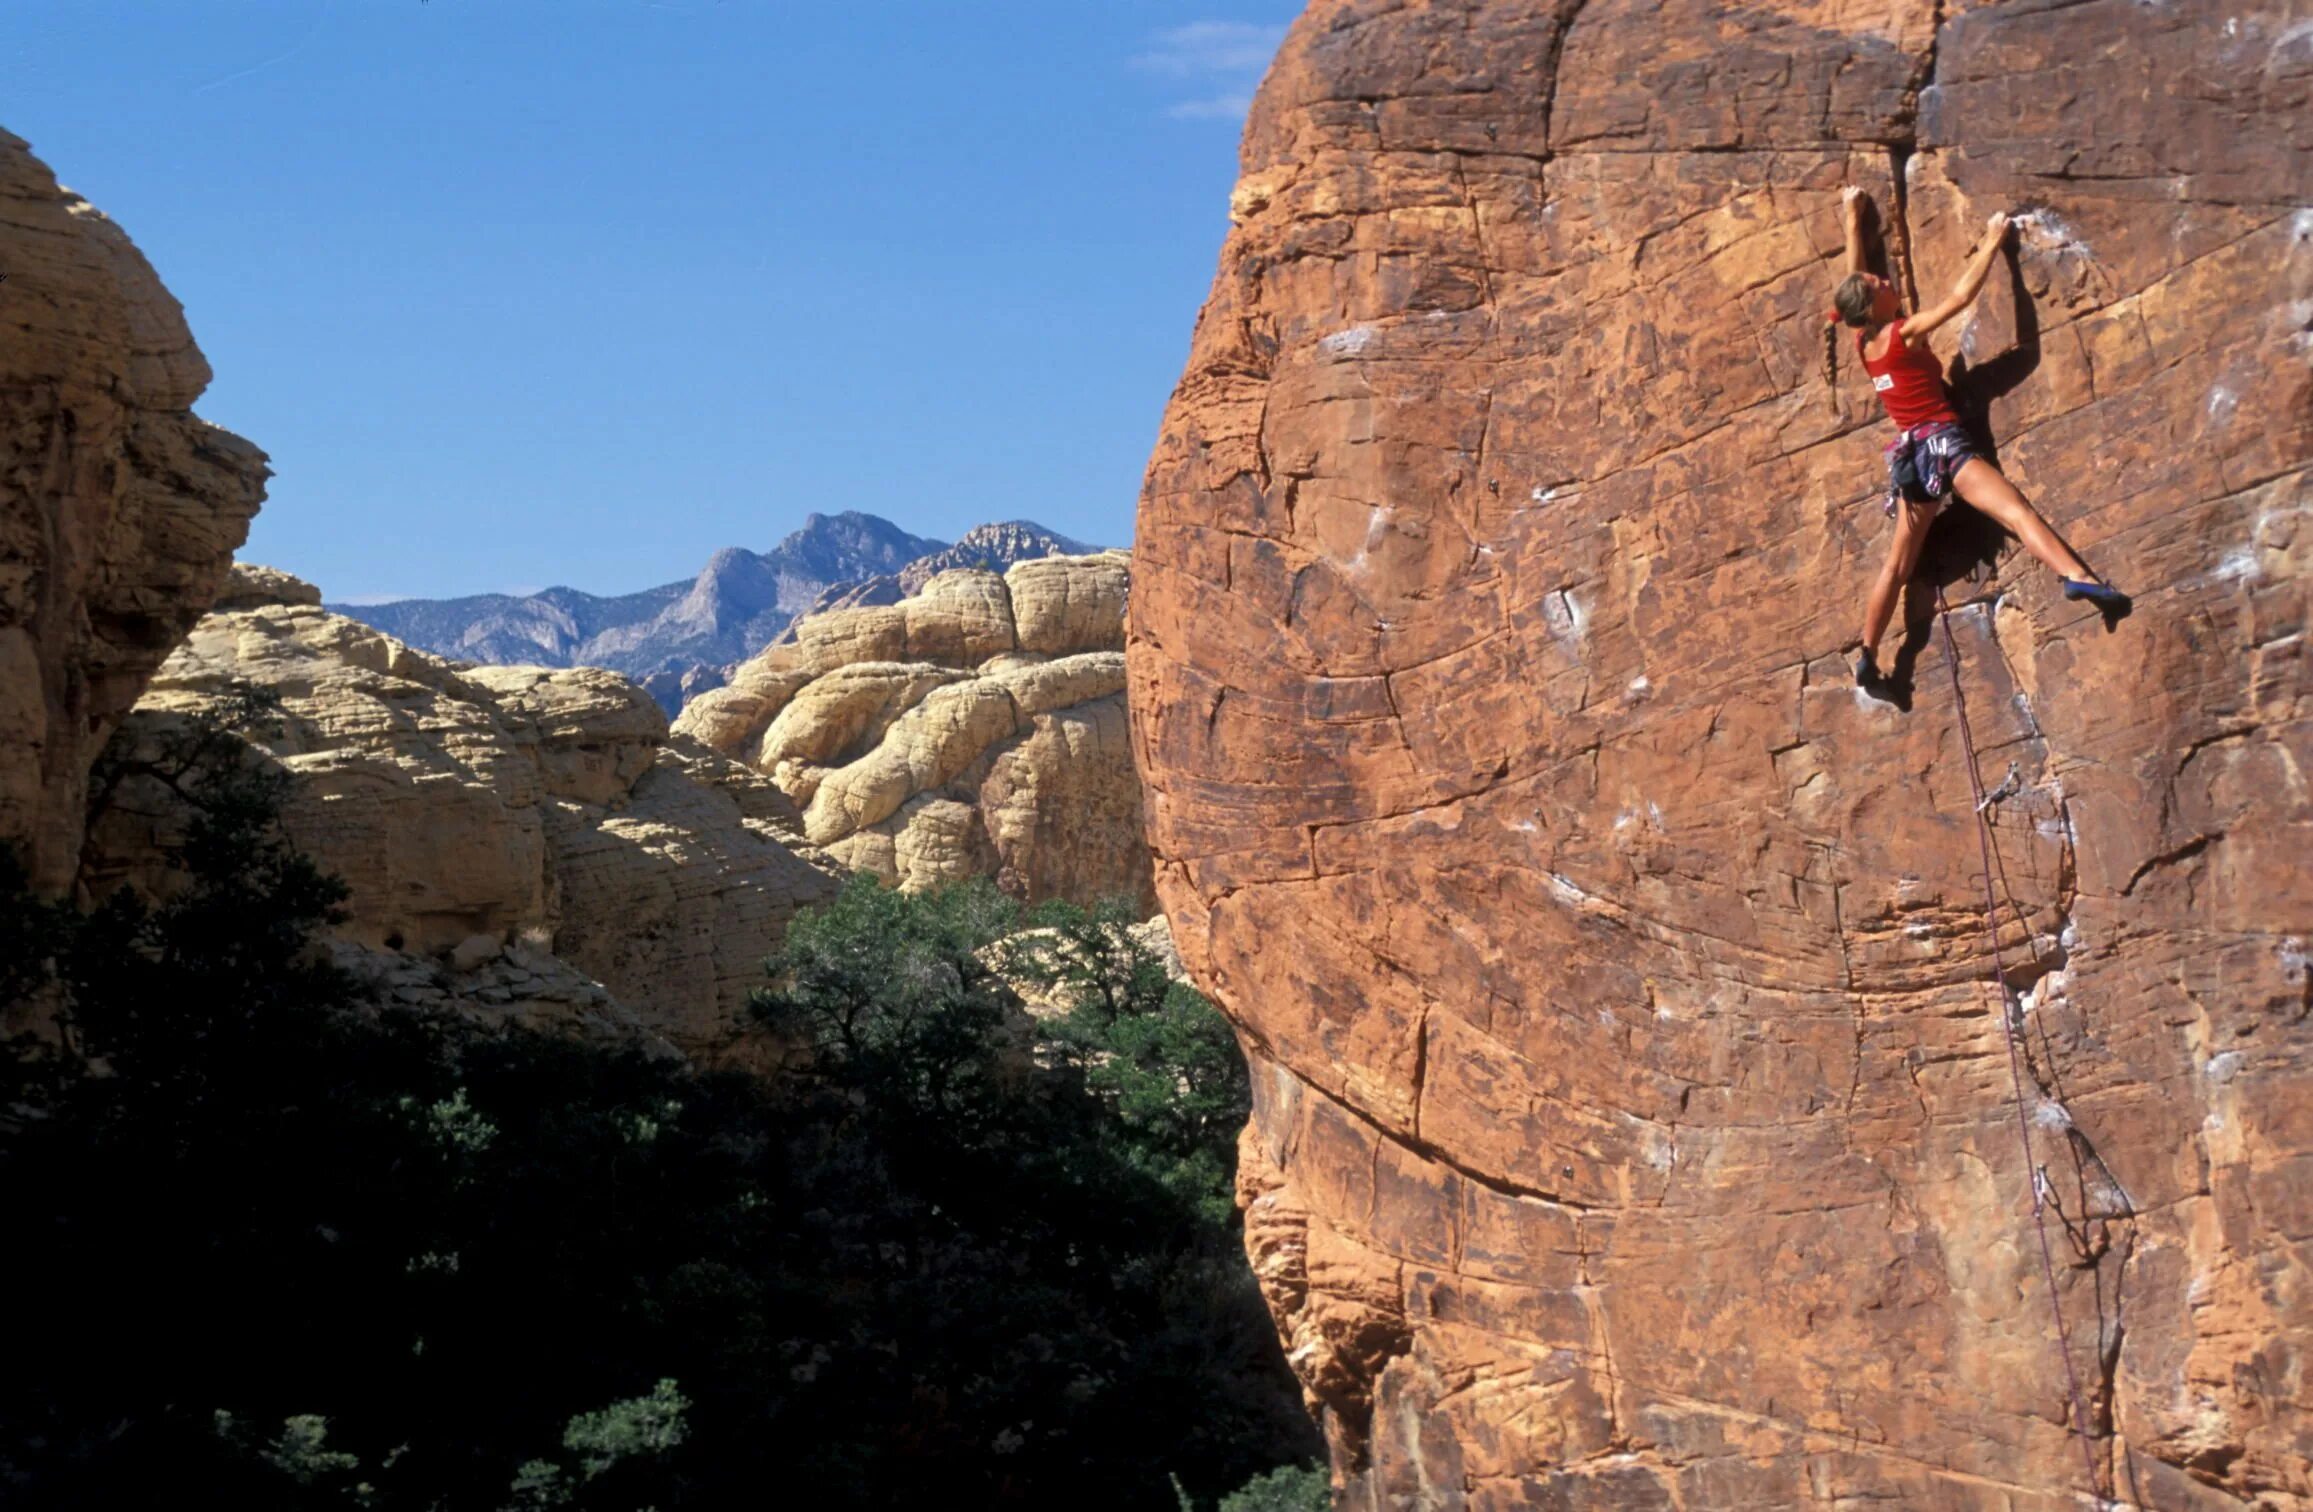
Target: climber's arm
(1964, 292)
(1852, 200)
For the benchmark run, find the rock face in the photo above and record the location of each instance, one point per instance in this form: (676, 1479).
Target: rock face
(122, 508)
(493, 820)
(1634, 1120)
(974, 729)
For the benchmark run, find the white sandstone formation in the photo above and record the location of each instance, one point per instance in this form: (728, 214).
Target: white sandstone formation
(975, 728)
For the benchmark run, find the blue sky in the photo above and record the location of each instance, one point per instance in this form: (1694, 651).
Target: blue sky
(520, 292)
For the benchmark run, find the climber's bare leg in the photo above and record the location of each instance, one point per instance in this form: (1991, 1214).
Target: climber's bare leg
(1911, 531)
(1980, 483)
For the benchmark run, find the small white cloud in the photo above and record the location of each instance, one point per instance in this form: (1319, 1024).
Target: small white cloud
(1203, 48)
(1222, 59)
(1229, 107)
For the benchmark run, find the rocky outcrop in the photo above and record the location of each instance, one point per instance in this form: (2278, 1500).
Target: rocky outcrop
(976, 728)
(678, 639)
(992, 547)
(122, 507)
(510, 834)
(1634, 1122)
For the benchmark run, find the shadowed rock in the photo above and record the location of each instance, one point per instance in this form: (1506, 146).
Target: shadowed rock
(121, 506)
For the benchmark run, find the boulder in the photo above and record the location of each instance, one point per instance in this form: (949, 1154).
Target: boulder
(1634, 1117)
(1064, 605)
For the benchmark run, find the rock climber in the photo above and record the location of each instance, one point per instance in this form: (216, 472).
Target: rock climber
(1932, 456)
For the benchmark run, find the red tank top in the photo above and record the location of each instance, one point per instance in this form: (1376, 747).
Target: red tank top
(1910, 382)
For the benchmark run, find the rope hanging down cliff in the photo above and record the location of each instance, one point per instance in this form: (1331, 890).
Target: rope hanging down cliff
(2011, 1028)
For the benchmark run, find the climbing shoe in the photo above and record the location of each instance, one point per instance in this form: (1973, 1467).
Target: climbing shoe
(1868, 677)
(2102, 595)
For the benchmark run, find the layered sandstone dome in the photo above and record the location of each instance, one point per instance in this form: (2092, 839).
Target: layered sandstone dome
(975, 728)
(523, 840)
(1634, 1124)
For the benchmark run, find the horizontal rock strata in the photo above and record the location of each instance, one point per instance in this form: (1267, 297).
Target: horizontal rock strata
(1634, 1124)
(975, 728)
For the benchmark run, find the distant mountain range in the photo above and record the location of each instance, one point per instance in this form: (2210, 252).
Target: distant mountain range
(676, 639)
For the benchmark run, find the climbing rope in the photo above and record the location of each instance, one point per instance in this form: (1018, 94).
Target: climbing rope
(2010, 1028)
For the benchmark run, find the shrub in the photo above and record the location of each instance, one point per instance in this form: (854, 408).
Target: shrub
(1288, 1488)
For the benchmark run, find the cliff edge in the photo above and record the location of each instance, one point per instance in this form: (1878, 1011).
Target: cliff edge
(122, 508)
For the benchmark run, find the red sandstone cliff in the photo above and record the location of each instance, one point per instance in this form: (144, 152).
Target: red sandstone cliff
(1634, 1125)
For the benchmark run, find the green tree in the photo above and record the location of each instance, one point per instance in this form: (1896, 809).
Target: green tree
(891, 994)
(1116, 1159)
(1158, 1055)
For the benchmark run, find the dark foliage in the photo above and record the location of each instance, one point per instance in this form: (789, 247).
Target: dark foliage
(1288, 1488)
(273, 1244)
(1041, 1209)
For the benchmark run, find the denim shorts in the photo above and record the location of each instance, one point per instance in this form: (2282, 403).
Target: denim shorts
(1922, 461)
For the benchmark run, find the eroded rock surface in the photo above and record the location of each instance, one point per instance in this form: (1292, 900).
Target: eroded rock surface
(525, 839)
(122, 507)
(975, 728)
(1634, 1123)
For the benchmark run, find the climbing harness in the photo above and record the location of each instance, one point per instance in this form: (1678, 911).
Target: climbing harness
(2011, 1027)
